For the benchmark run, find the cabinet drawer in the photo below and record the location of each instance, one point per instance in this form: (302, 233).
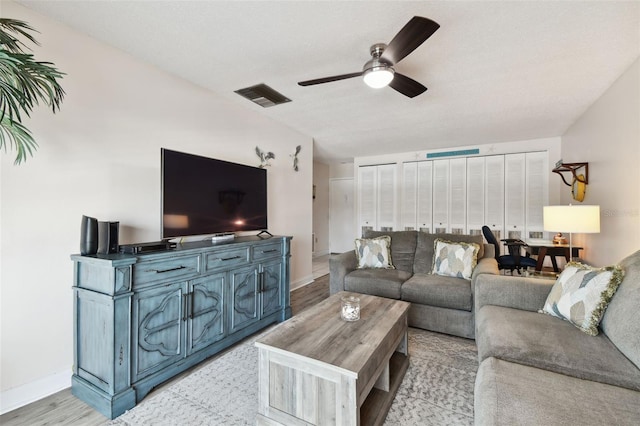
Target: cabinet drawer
(267, 251)
(227, 258)
(170, 269)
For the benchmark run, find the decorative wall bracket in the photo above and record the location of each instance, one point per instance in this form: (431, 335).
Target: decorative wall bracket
(572, 168)
(579, 181)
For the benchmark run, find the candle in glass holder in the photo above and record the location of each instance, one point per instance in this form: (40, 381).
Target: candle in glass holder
(350, 308)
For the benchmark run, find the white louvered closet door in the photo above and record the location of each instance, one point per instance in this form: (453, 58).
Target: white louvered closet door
(514, 193)
(537, 184)
(386, 195)
(409, 196)
(475, 195)
(425, 196)
(440, 196)
(494, 194)
(367, 198)
(457, 195)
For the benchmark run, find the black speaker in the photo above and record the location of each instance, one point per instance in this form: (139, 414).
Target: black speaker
(88, 235)
(108, 237)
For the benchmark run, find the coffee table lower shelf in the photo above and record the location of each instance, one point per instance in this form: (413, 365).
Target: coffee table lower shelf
(376, 406)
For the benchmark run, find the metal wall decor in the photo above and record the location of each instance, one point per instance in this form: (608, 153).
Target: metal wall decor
(264, 157)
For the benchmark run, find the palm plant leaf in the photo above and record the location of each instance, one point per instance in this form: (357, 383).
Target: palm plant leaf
(24, 83)
(18, 138)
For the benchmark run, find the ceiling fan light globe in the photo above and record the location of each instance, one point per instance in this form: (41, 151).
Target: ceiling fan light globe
(378, 77)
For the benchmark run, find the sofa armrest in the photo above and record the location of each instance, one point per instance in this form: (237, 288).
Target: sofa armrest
(527, 294)
(339, 266)
(486, 265)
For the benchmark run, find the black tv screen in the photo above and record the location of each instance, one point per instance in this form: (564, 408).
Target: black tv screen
(203, 195)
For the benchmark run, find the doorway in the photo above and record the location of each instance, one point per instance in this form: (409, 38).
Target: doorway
(341, 215)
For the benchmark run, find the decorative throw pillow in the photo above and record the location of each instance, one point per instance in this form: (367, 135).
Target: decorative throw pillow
(581, 295)
(454, 259)
(374, 252)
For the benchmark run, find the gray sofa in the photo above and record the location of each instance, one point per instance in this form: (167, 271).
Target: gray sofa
(537, 369)
(438, 303)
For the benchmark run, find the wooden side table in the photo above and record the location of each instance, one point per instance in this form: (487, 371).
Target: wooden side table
(542, 249)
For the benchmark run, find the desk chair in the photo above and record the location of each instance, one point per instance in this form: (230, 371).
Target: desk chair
(513, 260)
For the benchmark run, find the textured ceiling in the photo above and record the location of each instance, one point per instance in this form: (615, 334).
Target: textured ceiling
(496, 71)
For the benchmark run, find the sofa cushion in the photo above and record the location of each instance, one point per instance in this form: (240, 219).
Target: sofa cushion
(621, 321)
(581, 295)
(423, 261)
(374, 252)
(512, 394)
(377, 282)
(454, 259)
(550, 343)
(437, 290)
(403, 247)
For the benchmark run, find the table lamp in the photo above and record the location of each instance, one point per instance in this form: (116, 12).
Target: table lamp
(581, 219)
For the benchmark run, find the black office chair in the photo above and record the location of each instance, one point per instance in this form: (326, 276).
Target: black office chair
(513, 260)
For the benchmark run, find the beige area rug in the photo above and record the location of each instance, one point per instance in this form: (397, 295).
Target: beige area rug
(437, 388)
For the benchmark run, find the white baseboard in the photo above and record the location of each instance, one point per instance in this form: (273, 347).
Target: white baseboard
(301, 282)
(321, 253)
(20, 396)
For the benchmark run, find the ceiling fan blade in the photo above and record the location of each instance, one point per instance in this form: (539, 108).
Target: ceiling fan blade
(329, 79)
(412, 35)
(407, 86)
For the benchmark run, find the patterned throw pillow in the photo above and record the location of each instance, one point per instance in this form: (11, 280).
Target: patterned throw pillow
(581, 295)
(374, 252)
(454, 259)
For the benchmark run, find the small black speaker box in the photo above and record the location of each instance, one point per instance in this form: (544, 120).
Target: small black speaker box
(108, 237)
(88, 235)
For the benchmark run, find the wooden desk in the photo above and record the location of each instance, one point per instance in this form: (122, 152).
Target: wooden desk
(547, 248)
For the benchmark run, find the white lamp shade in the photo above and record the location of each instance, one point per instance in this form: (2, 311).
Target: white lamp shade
(579, 219)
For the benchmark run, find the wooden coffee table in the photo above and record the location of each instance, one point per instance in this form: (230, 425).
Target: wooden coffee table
(317, 369)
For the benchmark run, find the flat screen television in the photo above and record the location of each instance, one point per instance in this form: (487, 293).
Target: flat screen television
(203, 196)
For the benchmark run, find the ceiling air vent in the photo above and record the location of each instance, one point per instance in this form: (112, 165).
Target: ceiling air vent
(263, 95)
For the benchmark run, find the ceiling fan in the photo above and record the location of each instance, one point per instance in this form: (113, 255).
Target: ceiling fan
(379, 72)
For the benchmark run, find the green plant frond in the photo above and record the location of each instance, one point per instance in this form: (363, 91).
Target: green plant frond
(17, 27)
(17, 137)
(34, 80)
(24, 83)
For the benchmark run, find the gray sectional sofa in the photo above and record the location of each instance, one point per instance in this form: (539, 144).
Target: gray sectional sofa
(438, 303)
(537, 369)
(533, 368)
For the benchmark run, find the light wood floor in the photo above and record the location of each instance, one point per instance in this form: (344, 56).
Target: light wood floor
(62, 408)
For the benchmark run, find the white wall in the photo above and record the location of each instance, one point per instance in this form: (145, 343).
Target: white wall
(341, 170)
(100, 156)
(321, 208)
(607, 136)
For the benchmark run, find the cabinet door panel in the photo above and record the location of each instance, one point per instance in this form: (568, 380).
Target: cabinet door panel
(537, 184)
(440, 196)
(494, 195)
(425, 196)
(409, 196)
(206, 319)
(272, 299)
(457, 195)
(386, 196)
(475, 195)
(366, 198)
(159, 335)
(244, 298)
(514, 195)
